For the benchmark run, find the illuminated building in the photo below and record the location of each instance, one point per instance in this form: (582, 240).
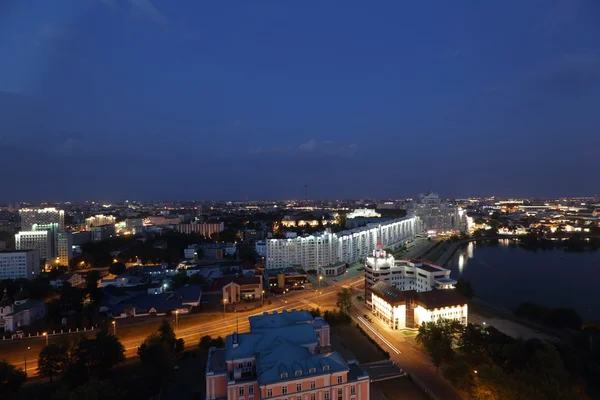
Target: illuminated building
(99, 220)
(414, 275)
(438, 216)
(363, 213)
(327, 248)
(204, 229)
(41, 216)
(41, 241)
(410, 309)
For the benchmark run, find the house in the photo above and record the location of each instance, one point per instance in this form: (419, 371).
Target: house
(74, 279)
(22, 312)
(144, 304)
(189, 295)
(123, 281)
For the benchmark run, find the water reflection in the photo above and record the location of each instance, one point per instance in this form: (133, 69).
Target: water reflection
(470, 248)
(461, 262)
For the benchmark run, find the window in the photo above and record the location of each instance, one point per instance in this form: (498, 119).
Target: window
(298, 373)
(312, 396)
(241, 390)
(313, 384)
(298, 387)
(284, 389)
(325, 367)
(339, 378)
(269, 392)
(251, 389)
(340, 394)
(312, 370)
(284, 375)
(240, 365)
(298, 397)
(327, 395)
(352, 389)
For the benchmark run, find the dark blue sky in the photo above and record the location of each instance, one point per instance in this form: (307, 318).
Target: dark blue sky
(163, 99)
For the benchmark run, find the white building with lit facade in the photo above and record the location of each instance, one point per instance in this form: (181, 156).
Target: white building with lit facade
(99, 220)
(16, 264)
(41, 216)
(41, 241)
(406, 293)
(438, 216)
(328, 248)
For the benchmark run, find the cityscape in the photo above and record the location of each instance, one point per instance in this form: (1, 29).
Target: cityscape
(263, 299)
(284, 200)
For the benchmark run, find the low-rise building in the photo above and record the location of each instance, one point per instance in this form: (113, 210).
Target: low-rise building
(103, 232)
(410, 309)
(73, 279)
(283, 356)
(22, 312)
(336, 269)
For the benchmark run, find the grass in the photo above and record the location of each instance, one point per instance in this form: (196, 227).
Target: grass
(407, 332)
(352, 344)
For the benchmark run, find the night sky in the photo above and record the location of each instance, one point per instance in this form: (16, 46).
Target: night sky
(164, 99)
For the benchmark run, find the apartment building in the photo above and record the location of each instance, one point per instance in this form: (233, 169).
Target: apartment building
(17, 264)
(41, 216)
(204, 229)
(327, 248)
(284, 356)
(41, 241)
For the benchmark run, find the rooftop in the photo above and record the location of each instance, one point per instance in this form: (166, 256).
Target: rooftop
(436, 298)
(277, 320)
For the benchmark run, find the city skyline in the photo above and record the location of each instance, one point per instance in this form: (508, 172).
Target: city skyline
(150, 99)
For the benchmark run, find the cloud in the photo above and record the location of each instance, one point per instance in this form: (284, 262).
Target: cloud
(310, 148)
(143, 8)
(569, 73)
(54, 33)
(149, 11)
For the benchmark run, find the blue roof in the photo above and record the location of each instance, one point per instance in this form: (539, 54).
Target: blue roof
(189, 293)
(287, 357)
(261, 340)
(144, 302)
(277, 320)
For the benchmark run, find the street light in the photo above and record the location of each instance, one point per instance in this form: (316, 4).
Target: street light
(46, 334)
(224, 305)
(114, 324)
(320, 279)
(262, 297)
(176, 320)
(28, 348)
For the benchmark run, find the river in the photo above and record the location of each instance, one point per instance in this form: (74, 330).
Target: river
(506, 274)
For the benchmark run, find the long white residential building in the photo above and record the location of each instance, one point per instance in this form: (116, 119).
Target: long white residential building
(327, 248)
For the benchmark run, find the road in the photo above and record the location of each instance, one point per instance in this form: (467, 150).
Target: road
(406, 356)
(189, 327)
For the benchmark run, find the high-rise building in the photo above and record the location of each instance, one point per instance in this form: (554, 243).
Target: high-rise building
(41, 216)
(438, 216)
(327, 248)
(64, 247)
(284, 356)
(35, 240)
(18, 264)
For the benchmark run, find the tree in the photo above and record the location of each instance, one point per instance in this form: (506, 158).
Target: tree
(180, 279)
(53, 360)
(166, 334)
(11, 378)
(91, 279)
(205, 342)
(217, 342)
(94, 389)
(157, 360)
(459, 372)
(344, 301)
(100, 353)
(179, 346)
(437, 337)
(464, 288)
(117, 268)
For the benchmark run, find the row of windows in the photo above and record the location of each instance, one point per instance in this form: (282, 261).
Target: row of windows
(340, 392)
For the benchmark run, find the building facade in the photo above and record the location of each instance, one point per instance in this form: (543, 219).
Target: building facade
(414, 275)
(99, 220)
(284, 356)
(204, 229)
(410, 309)
(41, 216)
(438, 216)
(19, 264)
(102, 232)
(327, 248)
(41, 241)
(22, 312)
(64, 247)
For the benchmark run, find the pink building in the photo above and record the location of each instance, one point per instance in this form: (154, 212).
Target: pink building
(285, 356)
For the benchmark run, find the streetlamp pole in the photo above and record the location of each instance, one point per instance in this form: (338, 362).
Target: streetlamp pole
(28, 348)
(114, 324)
(262, 297)
(176, 320)
(46, 334)
(224, 305)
